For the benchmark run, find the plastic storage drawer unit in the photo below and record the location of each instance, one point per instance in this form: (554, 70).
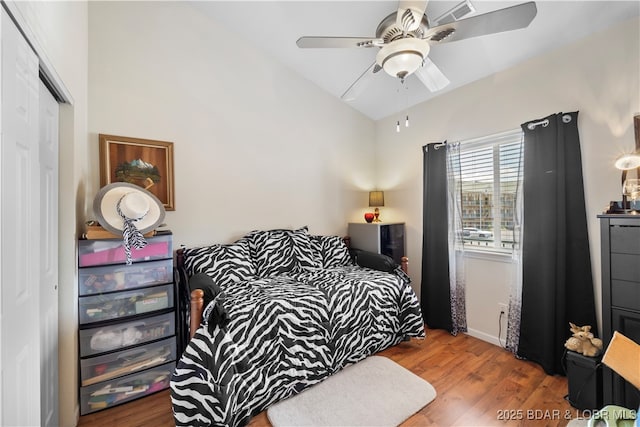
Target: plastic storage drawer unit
(97, 308)
(123, 389)
(127, 320)
(110, 278)
(113, 337)
(102, 368)
(111, 251)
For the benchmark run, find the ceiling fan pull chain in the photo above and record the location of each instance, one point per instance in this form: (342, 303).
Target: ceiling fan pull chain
(406, 120)
(406, 104)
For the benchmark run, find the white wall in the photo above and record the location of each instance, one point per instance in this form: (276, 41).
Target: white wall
(256, 146)
(598, 76)
(59, 28)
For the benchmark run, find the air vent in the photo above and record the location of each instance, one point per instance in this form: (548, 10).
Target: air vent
(455, 14)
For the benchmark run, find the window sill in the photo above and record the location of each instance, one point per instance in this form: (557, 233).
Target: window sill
(489, 255)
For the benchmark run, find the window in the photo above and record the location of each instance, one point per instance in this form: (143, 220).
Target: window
(490, 174)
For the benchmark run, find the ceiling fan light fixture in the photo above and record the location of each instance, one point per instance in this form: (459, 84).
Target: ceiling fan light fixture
(402, 57)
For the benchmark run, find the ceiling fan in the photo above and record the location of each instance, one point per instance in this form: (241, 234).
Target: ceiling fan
(405, 37)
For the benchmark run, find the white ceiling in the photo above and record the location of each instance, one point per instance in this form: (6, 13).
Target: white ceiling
(274, 26)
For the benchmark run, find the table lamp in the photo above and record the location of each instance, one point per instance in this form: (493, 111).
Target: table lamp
(625, 163)
(376, 199)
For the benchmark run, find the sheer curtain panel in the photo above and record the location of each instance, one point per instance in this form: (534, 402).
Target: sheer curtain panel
(457, 280)
(515, 295)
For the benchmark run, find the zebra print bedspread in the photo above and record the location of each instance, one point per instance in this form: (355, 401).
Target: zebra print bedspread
(286, 333)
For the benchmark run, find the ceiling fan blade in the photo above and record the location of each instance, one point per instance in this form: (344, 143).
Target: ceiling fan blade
(322, 42)
(431, 76)
(410, 14)
(361, 83)
(507, 19)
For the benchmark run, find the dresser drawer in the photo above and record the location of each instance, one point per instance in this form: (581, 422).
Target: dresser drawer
(96, 280)
(111, 251)
(113, 337)
(625, 267)
(625, 239)
(110, 393)
(114, 305)
(625, 294)
(114, 365)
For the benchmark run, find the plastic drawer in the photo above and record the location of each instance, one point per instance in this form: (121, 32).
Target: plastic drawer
(95, 280)
(122, 304)
(113, 337)
(111, 393)
(114, 365)
(111, 251)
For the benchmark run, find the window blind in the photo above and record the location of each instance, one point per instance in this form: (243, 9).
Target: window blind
(490, 175)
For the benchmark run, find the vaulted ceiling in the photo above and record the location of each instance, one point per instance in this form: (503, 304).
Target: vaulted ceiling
(274, 26)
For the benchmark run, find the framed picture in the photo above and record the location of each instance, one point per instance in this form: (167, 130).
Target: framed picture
(142, 162)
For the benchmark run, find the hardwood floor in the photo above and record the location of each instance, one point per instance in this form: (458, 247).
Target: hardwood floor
(478, 384)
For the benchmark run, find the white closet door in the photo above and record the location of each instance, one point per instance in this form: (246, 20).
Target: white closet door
(20, 231)
(48, 137)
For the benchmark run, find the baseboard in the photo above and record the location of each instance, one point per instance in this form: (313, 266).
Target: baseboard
(484, 337)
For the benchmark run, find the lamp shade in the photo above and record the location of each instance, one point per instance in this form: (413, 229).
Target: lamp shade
(376, 198)
(628, 161)
(402, 57)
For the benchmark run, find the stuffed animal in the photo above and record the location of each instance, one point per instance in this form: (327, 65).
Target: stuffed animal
(583, 341)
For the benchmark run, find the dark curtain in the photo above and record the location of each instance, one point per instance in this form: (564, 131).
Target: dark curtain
(435, 295)
(557, 284)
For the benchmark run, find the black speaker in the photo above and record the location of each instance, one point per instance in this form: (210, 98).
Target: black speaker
(584, 377)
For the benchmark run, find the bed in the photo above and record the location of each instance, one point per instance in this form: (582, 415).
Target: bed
(283, 310)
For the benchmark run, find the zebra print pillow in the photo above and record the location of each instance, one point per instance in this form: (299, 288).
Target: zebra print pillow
(331, 250)
(281, 251)
(225, 264)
